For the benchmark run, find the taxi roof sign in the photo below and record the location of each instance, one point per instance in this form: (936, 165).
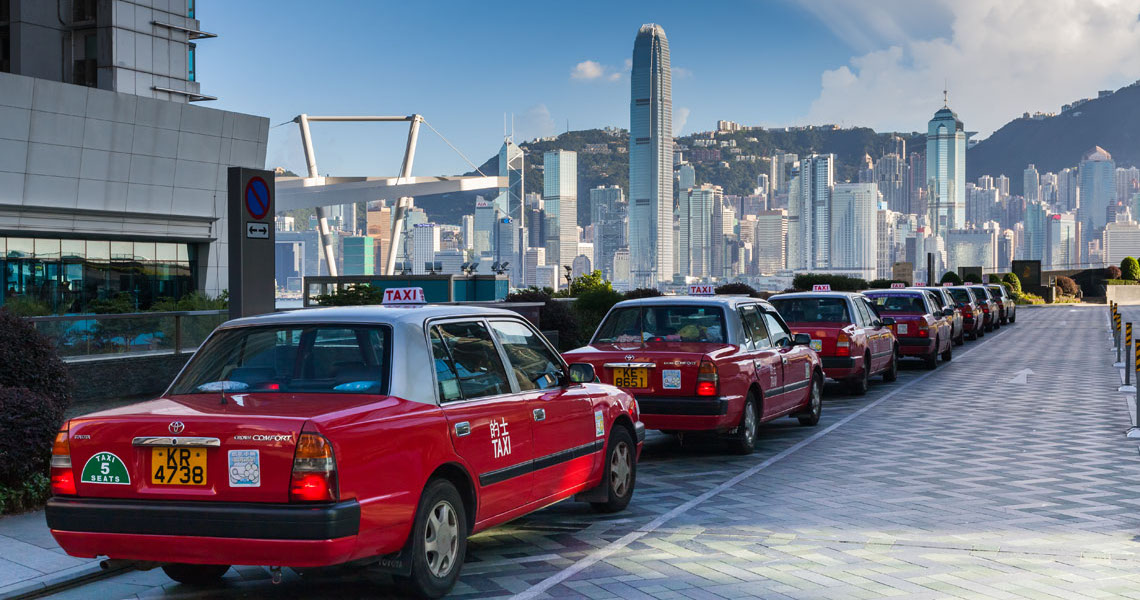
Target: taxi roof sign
(821, 287)
(947, 283)
(410, 295)
(701, 290)
(897, 286)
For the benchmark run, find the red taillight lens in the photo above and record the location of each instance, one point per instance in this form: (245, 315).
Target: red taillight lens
(708, 381)
(62, 479)
(923, 331)
(314, 470)
(843, 345)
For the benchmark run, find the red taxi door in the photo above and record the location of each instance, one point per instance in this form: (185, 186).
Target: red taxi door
(795, 361)
(768, 363)
(567, 434)
(490, 424)
(873, 336)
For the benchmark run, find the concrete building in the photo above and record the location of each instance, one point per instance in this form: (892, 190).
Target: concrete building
(110, 182)
(548, 276)
(1097, 189)
(609, 214)
(358, 255)
(512, 201)
(853, 221)
(770, 241)
(1036, 221)
(695, 212)
(560, 197)
(622, 277)
(533, 258)
(891, 178)
(1120, 240)
(1061, 251)
(651, 158)
(887, 247)
(425, 243)
(686, 177)
(946, 171)
(812, 205)
(1031, 184)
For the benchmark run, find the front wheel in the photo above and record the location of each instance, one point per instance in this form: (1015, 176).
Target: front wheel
(744, 440)
(860, 385)
(439, 541)
(949, 353)
(892, 372)
(621, 471)
(815, 404)
(195, 574)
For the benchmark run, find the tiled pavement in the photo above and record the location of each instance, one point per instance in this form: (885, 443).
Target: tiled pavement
(956, 483)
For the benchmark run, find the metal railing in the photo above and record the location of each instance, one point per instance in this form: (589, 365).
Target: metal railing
(128, 334)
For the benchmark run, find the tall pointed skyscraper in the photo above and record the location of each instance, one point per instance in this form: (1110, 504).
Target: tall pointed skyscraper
(946, 171)
(651, 159)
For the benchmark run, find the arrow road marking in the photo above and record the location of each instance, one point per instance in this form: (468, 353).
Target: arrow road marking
(1021, 376)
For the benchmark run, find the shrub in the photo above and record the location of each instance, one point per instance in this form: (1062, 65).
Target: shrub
(28, 495)
(587, 283)
(357, 294)
(591, 306)
(1112, 272)
(1027, 298)
(971, 278)
(29, 421)
(29, 360)
(1130, 269)
(839, 283)
(559, 316)
(1068, 286)
(952, 277)
(1013, 282)
(883, 284)
(737, 288)
(531, 295)
(642, 293)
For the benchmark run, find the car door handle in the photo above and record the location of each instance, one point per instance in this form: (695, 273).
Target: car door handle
(539, 414)
(462, 429)
(785, 359)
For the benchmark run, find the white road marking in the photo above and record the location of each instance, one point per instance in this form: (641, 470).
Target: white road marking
(605, 552)
(1021, 376)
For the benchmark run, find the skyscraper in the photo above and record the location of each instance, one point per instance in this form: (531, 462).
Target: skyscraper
(560, 197)
(1031, 186)
(817, 177)
(770, 241)
(609, 215)
(946, 171)
(853, 223)
(511, 201)
(696, 215)
(651, 159)
(1098, 190)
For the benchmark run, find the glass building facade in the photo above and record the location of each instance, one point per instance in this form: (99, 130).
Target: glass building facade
(66, 275)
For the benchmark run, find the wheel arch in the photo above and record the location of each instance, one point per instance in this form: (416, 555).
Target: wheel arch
(461, 479)
(758, 393)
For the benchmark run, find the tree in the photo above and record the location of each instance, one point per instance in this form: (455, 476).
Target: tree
(1130, 269)
(642, 293)
(971, 278)
(737, 288)
(589, 282)
(952, 277)
(1013, 281)
(1068, 286)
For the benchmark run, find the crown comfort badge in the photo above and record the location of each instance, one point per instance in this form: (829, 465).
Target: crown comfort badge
(105, 467)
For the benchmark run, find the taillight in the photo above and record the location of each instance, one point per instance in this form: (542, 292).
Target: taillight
(923, 330)
(708, 382)
(314, 470)
(62, 478)
(843, 345)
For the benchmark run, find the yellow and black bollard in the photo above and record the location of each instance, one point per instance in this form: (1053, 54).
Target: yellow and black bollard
(1127, 345)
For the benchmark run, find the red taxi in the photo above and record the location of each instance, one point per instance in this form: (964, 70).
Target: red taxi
(853, 342)
(364, 435)
(707, 363)
(921, 327)
(973, 319)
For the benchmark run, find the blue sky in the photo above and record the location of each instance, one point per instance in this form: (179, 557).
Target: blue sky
(880, 63)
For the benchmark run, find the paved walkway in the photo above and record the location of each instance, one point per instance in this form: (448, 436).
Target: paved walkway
(961, 482)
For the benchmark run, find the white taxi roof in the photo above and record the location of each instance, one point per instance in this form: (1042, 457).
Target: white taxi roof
(364, 315)
(727, 300)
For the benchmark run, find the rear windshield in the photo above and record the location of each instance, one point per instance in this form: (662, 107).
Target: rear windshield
(960, 295)
(997, 291)
(898, 303)
(979, 293)
(662, 324)
(812, 310)
(295, 359)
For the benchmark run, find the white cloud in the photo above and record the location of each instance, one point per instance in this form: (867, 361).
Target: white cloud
(681, 73)
(536, 122)
(998, 60)
(589, 70)
(680, 117)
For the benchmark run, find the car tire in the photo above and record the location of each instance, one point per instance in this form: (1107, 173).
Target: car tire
(815, 404)
(961, 339)
(195, 574)
(1013, 318)
(861, 384)
(980, 332)
(949, 353)
(440, 517)
(744, 440)
(621, 471)
(932, 358)
(892, 372)
(973, 336)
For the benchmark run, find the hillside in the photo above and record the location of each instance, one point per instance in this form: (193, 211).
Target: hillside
(1053, 143)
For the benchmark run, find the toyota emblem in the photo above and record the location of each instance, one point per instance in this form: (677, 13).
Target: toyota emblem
(629, 357)
(177, 427)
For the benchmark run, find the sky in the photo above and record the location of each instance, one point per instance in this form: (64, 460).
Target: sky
(468, 68)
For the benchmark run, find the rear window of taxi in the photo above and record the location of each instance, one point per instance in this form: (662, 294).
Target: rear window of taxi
(812, 310)
(898, 303)
(660, 323)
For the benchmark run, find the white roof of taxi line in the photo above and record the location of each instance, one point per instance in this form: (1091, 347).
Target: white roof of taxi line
(831, 294)
(722, 299)
(363, 315)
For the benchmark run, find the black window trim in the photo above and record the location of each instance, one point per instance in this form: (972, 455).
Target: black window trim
(428, 324)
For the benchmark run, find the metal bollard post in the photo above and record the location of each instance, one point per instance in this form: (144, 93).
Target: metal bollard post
(1134, 431)
(1127, 387)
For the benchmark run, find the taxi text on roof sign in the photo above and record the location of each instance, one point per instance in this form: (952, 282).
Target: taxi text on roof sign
(947, 283)
(821, 287)
(701, 290)
(413, 295)
(897, 286)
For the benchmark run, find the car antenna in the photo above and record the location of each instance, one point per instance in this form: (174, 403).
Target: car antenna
(223, 392)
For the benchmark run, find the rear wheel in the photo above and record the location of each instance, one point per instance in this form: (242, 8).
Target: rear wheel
(815, 403)
(949, 353)
(621, 471)
(932, 358)
(862, 383)
(892, 372)
(439, 541)
(195, 574)
(961, 339)
(744, 440)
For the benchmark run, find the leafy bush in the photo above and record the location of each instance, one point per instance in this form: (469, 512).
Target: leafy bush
(1130, 269)
(532, 294)
(971, 278)
(559, 316)
(839, 283)
(26, 306)
(883, 284)
(1068, 286)
(952, 277)
(1013, 282)
(737, 288)
(643, 293)
(1112, 272)
(29, 495)
(1120, 282)
(29, 421)
(1027, 298)
(29, 360)
(357, 294)
(591, 306)
(587, 283)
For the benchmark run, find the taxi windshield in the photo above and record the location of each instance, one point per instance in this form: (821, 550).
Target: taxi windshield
(960, 295)
(898, 303)
(337, 359)
(651, 324)
(812, 310)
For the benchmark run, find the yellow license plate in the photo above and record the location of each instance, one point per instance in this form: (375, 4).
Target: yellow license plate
(178, 466)
(631, 377)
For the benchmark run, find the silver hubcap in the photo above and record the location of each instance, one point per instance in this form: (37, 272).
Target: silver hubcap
(816, 402)
(441, 539)
(749, 422)
(620, 469)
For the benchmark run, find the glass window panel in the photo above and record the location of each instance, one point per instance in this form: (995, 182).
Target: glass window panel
(183, 252)
(98, 250)
(47, 249)
(3, 246)
(144, 251)
(73, 249)
(535, 366)
(166, 252)
(122, 251)
(475, 358)
(20, 248)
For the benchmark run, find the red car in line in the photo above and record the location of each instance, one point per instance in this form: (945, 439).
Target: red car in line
(922, 326)
(718, 364)
(853, 342)
(989, 306)
(368, 436)
(973, 319)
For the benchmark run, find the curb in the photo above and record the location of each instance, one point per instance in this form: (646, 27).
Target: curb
(58, 581)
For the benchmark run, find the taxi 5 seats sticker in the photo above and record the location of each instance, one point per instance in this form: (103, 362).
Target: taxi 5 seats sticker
(599, 424)
(105, 467)
(245, 468)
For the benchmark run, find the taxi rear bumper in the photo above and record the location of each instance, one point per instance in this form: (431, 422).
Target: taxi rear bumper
(683, 413)
(915, 346)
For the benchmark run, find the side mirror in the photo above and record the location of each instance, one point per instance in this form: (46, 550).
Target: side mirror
(888, 321)
(801, 339)
(949, 312)
(582, 373)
